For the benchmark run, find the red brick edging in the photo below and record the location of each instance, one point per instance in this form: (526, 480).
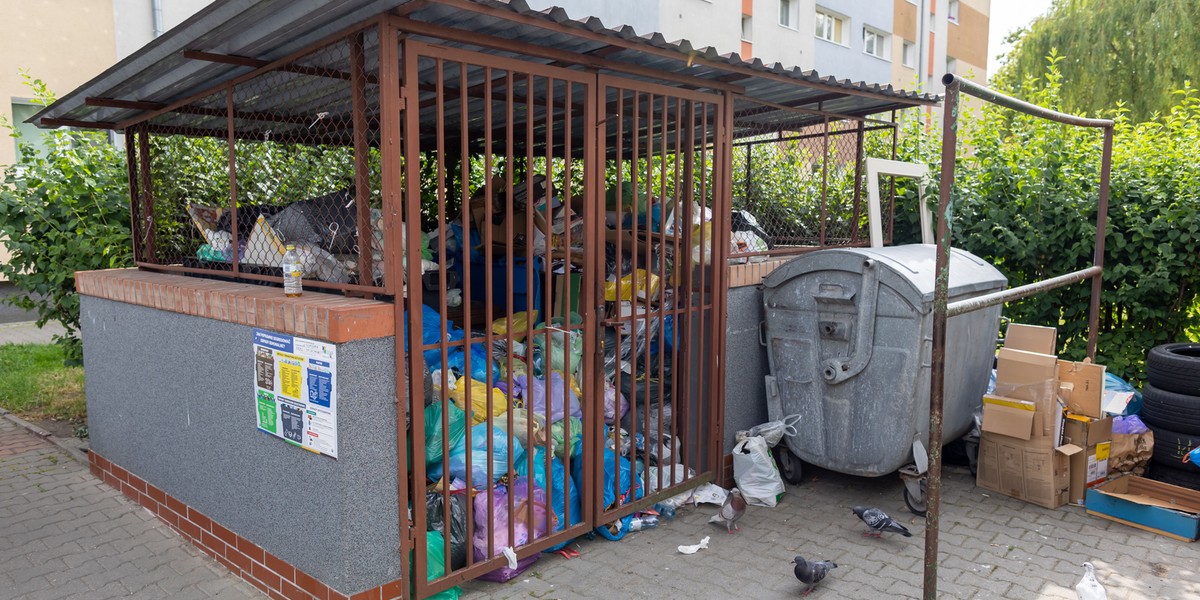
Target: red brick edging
(317, 315)
(243, 558)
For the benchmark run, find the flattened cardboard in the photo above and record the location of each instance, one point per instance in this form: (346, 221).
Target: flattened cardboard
(1029, 470)
(1155, 506)
(1006, 416)
(1031, 338)
(1083, 384)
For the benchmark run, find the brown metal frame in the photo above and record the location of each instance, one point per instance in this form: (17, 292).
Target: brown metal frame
(706, 136)
(942, 310)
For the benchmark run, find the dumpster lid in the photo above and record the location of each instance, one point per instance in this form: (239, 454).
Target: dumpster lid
(916, 263)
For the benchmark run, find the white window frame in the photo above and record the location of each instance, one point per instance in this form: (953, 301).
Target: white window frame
(839, 21)
(747, 28)
(793, 20)
(951, 64)
(882, 43)
(952, 11)
(905, 48)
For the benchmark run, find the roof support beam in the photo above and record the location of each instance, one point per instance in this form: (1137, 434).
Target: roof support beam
(255, 63)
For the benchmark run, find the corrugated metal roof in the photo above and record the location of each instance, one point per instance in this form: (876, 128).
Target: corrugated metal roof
(267, 30)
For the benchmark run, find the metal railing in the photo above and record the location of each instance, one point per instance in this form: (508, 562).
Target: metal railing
(942, 309)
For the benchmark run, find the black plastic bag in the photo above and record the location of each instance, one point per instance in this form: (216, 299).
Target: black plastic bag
(434, 503)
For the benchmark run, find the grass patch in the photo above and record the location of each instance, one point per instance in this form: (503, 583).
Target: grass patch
(34, 384)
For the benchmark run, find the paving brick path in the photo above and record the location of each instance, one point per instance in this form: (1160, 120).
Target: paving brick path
(64, 534)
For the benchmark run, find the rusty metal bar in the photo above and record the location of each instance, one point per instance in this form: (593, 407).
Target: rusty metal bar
(231, 143)
(391, 102)
(824, 179)
(1024, 291)
(1098, 254)
(443, 342)
(131, 165)
(937, 374)
(362, 191)
(859, 158)
(257, 63)
(971, 88)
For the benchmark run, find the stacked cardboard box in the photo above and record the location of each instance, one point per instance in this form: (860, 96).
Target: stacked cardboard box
(1031, 448)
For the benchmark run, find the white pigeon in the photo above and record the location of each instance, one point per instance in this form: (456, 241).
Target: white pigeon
(1088, 588)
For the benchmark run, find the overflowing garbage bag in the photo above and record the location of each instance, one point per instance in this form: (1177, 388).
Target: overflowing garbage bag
(435, 508)
(564, 493)
(532, 519)
(456, 466)
(534, 393)
(456, 430)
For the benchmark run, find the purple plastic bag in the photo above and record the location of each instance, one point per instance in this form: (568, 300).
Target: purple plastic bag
(1131, 424)
(532, 393)
(615, 404)
(524, 532)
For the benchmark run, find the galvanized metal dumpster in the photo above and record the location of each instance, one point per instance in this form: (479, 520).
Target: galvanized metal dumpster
(848, 335)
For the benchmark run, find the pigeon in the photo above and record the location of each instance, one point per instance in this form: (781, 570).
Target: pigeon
(879, 522)
(812, 572)
(731, 511)
(1088, 588)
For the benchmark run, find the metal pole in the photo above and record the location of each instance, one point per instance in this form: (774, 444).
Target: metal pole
(1098, 257)
(938, 360)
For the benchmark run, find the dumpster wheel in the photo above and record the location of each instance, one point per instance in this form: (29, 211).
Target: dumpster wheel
(916, 506)
(789, 464)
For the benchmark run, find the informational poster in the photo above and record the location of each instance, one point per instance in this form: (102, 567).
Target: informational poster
(295, 383)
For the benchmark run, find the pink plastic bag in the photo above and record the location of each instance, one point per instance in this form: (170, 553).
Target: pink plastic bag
(524, 531)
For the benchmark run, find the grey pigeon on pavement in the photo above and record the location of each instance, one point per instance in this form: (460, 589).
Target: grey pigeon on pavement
(1088, 588)
(731, 511)
(812, 572)
(879, 522)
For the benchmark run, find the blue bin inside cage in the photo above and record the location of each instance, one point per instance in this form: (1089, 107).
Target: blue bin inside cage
(524, 297)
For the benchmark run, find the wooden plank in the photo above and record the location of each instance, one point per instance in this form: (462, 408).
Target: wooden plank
(1139, 526)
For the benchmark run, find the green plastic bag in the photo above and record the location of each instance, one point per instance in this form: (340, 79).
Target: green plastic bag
(434, 545)
(558, 429)
(433, 427)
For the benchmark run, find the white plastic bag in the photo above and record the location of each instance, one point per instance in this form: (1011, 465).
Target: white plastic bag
(772, 431)
(755, 472)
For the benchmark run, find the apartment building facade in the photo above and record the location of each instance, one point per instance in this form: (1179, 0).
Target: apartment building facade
(905, 43)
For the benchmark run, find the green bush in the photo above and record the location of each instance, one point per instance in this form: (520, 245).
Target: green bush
(1026, 198)
(64, 209)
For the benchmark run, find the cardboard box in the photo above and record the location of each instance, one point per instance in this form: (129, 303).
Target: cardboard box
(1005, 416)
(1082, 386)
(1090, 467)
(1031, 338)
(1033, 377)
(1029, 470)
(1155, 506)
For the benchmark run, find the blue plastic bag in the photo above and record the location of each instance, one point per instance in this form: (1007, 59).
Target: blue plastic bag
(621, 489)
(481, 359)
(456, 460)
(1113, 383)
(432, 329)
(563, 494)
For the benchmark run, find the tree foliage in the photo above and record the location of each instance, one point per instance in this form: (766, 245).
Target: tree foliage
(64, 209)
(1025, 199)
(1133, 51)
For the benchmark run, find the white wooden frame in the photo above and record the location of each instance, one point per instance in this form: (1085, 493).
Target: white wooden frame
(883, 166)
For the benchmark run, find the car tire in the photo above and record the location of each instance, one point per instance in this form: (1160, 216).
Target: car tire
(1175, 368)
(1188, 477)
(1171, 446)
(1174, 411)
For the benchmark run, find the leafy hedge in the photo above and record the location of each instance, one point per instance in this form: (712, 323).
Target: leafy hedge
(1025, 199)
(64, 210)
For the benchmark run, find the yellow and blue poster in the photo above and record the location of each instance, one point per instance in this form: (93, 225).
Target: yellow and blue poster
(295, 384)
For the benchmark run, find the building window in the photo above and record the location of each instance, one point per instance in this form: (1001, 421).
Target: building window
(30, 134)
(952, 11)
(747, 36)
(951, 65)
(909, 57)
(875, 43)
(830, 27)
(788, 15)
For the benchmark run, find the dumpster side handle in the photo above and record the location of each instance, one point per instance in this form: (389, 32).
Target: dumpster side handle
(841, 368)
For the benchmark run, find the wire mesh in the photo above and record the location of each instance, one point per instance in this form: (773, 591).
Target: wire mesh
(304, 171)
(799, 180)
